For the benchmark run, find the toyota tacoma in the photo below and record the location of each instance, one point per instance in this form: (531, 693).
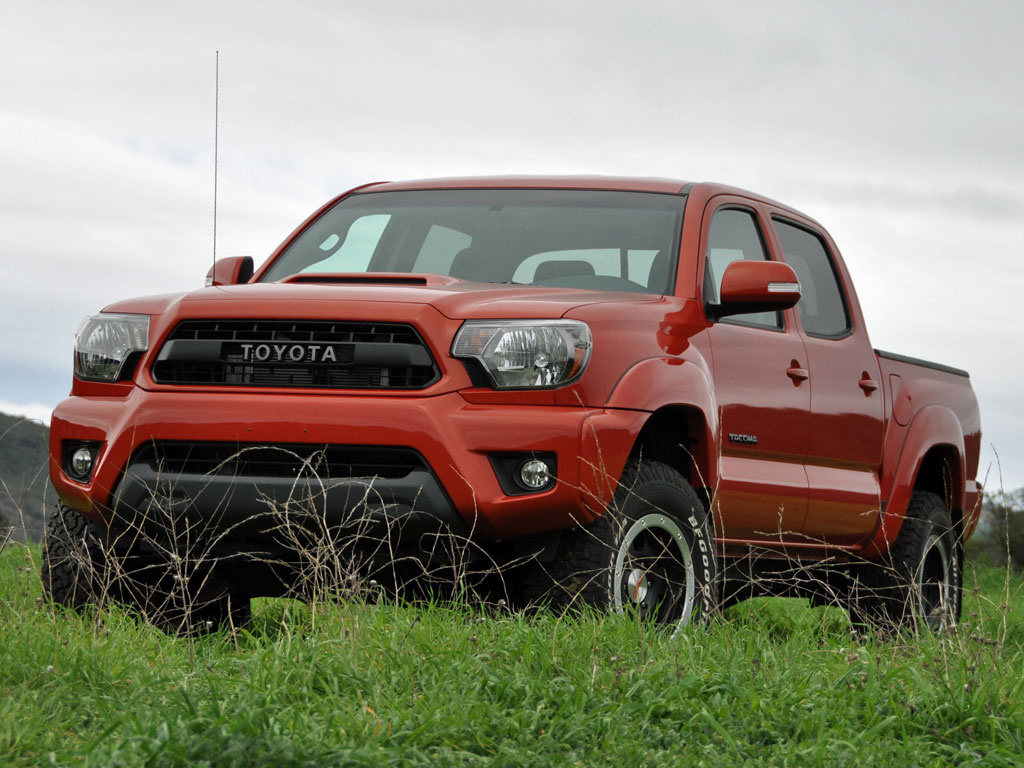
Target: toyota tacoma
(636, 394)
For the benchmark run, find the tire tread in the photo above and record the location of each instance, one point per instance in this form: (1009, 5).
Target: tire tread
(884, 591)
(582, 572)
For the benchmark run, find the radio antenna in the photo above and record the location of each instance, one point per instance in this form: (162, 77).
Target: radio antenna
(216, 126)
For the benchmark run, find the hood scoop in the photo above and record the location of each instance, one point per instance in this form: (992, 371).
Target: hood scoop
(369, 279)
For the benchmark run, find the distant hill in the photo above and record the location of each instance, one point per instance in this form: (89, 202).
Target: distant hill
(25, 492)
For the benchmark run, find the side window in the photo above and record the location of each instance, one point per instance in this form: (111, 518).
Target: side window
(352, 254)
(439, 249)
(822, 307)
(735, 236)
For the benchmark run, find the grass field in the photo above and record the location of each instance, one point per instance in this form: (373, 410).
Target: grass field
(772, 683)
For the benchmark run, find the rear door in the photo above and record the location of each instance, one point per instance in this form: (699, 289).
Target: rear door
(844, 444)
(760, 379)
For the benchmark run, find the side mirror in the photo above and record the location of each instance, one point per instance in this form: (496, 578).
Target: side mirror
(756, 286)
(230, 271)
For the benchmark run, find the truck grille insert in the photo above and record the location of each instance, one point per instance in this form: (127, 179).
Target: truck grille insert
(295, 353)
(278, 461)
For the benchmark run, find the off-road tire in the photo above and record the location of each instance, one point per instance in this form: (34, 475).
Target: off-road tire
(77, 571)
(919, 584)
(73, 558)
(651, 553)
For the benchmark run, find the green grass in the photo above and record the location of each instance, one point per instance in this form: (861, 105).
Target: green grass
(774, 683)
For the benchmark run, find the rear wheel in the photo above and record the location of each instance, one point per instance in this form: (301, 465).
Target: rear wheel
(920, 582)
(650, 555)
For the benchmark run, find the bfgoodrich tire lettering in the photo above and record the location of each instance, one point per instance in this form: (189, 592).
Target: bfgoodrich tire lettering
(651, 554)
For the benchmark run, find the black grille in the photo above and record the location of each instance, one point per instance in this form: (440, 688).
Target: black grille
(295, 353)
(278, 461)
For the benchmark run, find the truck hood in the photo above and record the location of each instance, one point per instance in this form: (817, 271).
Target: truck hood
(453, 298)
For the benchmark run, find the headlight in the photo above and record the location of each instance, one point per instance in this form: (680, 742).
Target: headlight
(522, 354)
(104, 342)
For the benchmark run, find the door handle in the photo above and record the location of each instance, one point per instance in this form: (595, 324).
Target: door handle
(796, 373)
(868, 384)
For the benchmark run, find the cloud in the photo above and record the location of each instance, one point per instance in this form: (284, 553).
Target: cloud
(973, 202)
(896, 125)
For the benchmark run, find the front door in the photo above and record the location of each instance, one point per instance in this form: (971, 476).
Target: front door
(760, 374)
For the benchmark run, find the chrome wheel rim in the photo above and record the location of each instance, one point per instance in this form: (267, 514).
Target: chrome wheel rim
(653, 573)
(934, 585)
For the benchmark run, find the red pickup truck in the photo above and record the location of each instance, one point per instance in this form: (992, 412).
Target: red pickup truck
(639, 394)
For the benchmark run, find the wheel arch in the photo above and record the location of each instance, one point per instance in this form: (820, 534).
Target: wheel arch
(930, 458)
(941, 472)
(679, 436)
(680, 430)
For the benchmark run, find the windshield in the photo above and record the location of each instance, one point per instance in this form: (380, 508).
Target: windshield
(617, 241)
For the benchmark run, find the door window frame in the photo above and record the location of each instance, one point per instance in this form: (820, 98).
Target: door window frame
(834, 270)
(768, 247)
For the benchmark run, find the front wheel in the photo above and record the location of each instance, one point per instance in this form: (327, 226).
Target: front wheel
(650, 555)
(73, 559)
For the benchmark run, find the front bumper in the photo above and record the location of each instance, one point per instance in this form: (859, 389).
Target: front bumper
(456, 439)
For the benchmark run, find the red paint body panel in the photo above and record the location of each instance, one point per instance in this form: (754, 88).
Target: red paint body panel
(810, 444)
(452, 435)
(762, 488)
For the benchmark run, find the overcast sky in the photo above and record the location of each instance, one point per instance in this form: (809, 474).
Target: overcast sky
(899, 126)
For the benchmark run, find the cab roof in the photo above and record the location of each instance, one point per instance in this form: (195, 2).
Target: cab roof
(621, 183)
(617, 183)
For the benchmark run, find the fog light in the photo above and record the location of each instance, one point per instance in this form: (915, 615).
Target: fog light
(534, 474)
(81, 462)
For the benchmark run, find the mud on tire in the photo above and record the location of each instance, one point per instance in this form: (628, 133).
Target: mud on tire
(651, 554)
